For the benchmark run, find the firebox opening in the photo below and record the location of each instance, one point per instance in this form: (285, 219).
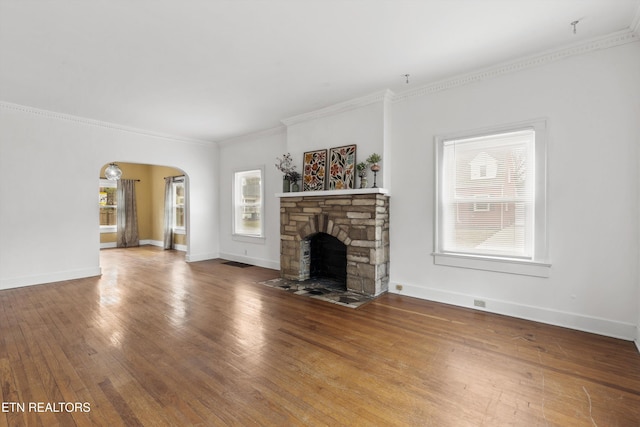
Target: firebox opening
(328, 258)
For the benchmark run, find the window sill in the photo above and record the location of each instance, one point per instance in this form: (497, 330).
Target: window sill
(179, 230)
(248, 238)
(108, 229)
(525, 268)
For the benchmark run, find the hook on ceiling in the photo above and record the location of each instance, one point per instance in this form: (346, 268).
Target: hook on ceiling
(574, 24)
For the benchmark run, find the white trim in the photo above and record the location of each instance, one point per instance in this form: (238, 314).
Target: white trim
(635, 23)
(59, 276)
(532, 61)
(247, 238)
(234, 191)
(334, 192)
(525, 268)
(146, 242)
(536, 267)
(592, 324)
(632, 34)
(98, 123)
(250, 137)
(201, 257)
(341, 107)
(597, 43)
(111, 245)
(158, 243)
(259, 262)
(105, 183)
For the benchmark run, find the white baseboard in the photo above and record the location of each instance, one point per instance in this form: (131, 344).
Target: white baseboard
(59, 276)
(158, 243)
(250, 260)
(200, 257)
(611, 328)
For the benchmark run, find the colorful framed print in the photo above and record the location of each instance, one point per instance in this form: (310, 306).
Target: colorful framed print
(342, 164)
(315, 170)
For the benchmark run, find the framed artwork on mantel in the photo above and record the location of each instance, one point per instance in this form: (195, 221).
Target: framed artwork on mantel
(314, 170)
(342, 163)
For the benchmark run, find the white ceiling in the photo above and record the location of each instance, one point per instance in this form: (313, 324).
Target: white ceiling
(214, 69)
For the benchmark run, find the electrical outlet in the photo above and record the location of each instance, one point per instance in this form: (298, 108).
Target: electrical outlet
(479, 303)
(398, 287)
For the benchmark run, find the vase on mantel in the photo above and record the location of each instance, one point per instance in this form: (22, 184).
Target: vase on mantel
(295, 187)
(286, 185)
(373, 160)
(363, 181)
(375, 168)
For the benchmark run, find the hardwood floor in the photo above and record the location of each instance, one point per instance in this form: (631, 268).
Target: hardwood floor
(156, 341)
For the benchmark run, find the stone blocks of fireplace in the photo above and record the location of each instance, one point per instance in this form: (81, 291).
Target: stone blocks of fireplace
(360, 220)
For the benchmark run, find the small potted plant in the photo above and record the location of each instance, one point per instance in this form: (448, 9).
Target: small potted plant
(294, 177)
(286, 166)
(375, 167)
(362, 173)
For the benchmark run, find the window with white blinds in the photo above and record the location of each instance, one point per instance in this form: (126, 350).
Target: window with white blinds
(248, 203)
(490, 195)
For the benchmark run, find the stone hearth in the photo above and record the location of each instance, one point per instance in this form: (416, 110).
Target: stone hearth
(357, 218)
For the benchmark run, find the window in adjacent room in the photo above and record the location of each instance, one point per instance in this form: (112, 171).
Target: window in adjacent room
(108, 203)
(491, 199)
(178, 206)
(248, 203)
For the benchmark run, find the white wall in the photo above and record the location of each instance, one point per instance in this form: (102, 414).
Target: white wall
(362, 125)
(48, 216)
(252, 151)
(591, 102)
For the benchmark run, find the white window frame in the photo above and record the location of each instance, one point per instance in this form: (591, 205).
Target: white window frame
(175, 183)
(236, 195)
(539, 264)
(108, 228)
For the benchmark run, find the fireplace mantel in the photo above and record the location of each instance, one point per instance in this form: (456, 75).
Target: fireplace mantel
(325, 193)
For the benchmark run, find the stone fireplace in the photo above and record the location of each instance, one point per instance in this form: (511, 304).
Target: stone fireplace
(342, 233)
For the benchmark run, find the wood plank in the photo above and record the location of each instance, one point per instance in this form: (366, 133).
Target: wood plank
(158, 341)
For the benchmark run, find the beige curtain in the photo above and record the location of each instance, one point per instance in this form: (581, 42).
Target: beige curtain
(127, 214)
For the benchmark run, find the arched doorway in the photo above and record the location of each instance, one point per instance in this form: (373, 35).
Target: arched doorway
(150, 201)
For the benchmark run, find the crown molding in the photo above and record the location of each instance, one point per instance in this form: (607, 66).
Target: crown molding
(604, 42)
(250, 136)
(635, 23)
(532, 61)
(96, 123)
(352, 104)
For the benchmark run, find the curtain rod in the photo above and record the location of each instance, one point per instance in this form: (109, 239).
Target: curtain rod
(177, 176)
(136, 180)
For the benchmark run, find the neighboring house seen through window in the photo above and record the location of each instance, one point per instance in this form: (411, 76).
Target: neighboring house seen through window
(491, 199)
